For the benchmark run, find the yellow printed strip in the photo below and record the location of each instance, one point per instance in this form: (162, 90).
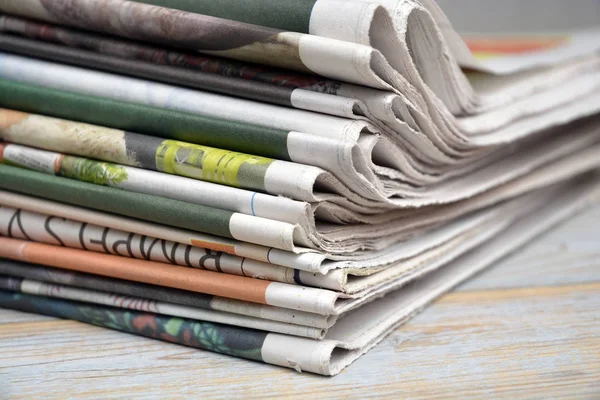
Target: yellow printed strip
(206, 163)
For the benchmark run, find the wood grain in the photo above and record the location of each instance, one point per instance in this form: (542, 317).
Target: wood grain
(568, 254)
(528, 328)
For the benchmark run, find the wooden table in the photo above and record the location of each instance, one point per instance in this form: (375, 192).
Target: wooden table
(529, 327)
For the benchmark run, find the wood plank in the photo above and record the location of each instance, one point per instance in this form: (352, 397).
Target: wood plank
(569, 253)
(10, 316)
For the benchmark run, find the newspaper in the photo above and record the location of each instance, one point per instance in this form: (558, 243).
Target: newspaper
(285, 181)
(302, 224)
(135, 303)
(415, 154)
(395, 28)
(409, 223)
(465, 233)
(163, 294)
(327, 96)
(76, 241)
(347, 340)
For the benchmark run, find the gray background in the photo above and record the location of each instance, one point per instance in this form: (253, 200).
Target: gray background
(521, 15)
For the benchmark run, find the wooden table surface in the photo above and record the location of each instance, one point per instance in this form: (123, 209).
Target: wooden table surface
(527, 328)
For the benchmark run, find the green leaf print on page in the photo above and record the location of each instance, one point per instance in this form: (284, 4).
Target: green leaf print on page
(92, 171)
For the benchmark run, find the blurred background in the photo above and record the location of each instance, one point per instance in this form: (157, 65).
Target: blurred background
(489, 16)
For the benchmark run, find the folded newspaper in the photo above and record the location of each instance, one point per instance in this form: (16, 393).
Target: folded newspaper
(286, 182)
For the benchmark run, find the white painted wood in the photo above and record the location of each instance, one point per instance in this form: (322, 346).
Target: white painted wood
(567, 254)
(11, 317)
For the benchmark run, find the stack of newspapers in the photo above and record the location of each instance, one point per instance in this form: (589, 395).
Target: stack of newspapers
(283, 181)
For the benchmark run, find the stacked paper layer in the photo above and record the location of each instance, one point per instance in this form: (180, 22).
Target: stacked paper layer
(281, 181)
